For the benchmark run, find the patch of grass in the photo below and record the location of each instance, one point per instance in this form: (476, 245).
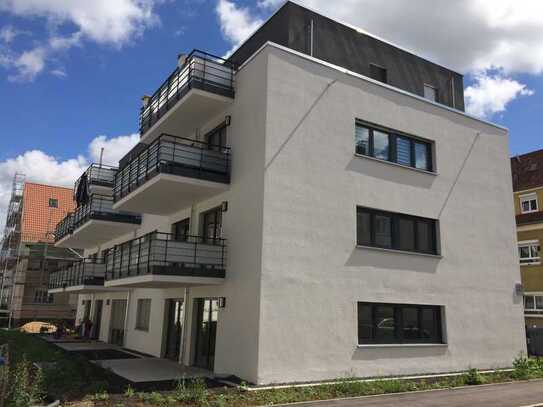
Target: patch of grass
(69, 376)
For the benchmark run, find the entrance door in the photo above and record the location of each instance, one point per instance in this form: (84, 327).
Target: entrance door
(206, 332)
(97, 318)
(118, 314)
(174, 329)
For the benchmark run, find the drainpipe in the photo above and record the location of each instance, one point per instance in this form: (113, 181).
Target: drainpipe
(126, 316)
(184, 328)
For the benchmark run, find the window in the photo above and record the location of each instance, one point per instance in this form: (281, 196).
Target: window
(181, 230)
(143, 314)
(212, 225)
(528, 203)
(396, 231)
(378, 73)
(216, 138)
(430, 93)
(398, 323)
(388, 145)
(53, 203)
(42, 297)
(533, 302)
(529, 252)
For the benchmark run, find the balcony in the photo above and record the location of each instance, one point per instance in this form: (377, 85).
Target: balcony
(171, 174)
(199, 89)
(94, 223)
(529, 218)
(156, 260)
(86, 275)
(97, 179)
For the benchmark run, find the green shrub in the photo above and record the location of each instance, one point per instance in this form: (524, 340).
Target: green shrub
(473, 377)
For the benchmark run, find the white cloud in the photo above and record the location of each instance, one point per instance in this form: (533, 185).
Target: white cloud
(41, 167)
(490, 94)
(104, 21)
(467, 35)
(114, 148)
(110, 22)
(237, 23)
(28, 65)
(8, 34)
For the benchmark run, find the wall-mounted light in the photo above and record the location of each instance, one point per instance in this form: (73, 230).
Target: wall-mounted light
(227, 120)
(222, 302)
(107, 302)
(224, 206)
(519, 289)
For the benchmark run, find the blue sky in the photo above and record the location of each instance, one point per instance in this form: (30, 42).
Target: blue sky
(72, 72)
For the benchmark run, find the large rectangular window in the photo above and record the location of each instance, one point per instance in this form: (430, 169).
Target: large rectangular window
(143, 314)
(533, 302)
(390, 145)
(398, 323)
(395, 231)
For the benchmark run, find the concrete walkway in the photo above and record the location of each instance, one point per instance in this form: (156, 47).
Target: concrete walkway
(520, 394)
(145, 370)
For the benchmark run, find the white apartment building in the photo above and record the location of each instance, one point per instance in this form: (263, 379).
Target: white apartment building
(316, 206)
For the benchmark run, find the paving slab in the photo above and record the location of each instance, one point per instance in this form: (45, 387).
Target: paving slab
(145, 370)
(78, 346)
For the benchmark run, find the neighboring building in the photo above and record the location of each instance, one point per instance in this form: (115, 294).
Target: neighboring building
(527, 172)
(28, 253)
(288, 218)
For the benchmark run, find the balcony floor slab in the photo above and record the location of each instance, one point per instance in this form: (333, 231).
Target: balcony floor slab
(162, 281)
(95, 232)
(190, 112)
(166, 194)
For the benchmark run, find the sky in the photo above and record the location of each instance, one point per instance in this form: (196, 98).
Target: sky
(72, 72)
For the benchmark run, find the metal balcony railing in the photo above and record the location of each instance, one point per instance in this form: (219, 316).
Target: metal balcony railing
(100, 207)
(200, 71)
(88, 271)
(97, 174)
(174, 155)
(158, 253)
(64, 227)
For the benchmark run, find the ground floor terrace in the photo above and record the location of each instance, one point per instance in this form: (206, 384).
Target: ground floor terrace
(178, 325)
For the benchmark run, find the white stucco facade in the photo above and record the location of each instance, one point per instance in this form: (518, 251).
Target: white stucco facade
(294, 273)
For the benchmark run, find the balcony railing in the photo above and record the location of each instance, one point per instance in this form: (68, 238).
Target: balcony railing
(84, 272)
(200, 71)
(97, 174)
(100, 207)
(158, 253)
(174, 155)
(64, 227)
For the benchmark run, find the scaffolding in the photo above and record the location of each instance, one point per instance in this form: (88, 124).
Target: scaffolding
(26, 258)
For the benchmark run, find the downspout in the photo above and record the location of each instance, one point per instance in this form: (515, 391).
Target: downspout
(126, 316)
(184, 328)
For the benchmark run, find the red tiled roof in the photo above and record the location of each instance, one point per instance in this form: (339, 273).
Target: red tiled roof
(527, 170)
(39, 219)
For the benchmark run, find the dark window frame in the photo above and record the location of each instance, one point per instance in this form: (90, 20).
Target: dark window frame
(395, 231)
(393, 136)
(399, 327)
(53, 203)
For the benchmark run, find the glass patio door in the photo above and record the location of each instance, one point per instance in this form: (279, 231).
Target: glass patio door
(206, 332)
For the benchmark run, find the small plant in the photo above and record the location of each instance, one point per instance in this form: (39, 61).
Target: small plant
(524, 367)
(26, 388)
(101, 396)
(129, 392)
(473, 377)
(194, 390)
